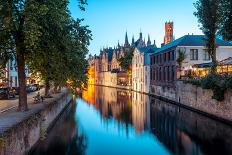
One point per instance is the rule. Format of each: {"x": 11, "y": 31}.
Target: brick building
{"x": 164, "y": 68}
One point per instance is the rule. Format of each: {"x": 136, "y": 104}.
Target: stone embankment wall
{"x": 20, "y": 138}
{"x": 197, "y": 98}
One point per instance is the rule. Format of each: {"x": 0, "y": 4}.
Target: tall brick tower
{"x": 168, "y": 32}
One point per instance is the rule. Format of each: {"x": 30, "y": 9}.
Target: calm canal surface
{"x": 109, "y": 121}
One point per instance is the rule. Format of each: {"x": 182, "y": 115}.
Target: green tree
{"x": 126, "y": 61}
{"x": 38, "y": 32}
{"x": 226, "y": 19}
{"x": 80, "y": 39}
{"x": 49, "y": 60}
{"x": 180, "y": 59}
{"x": 19, "y": 33}
{"x": 209, "y": 15}
{"x": 63, "y": 47}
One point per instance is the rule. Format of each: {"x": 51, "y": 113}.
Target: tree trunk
{"x": 20, "y": 57}
{"x": 59, "y": 89}
{"x": 47, "y": 87}
{"x": 55, "y": 90}
{"x": 22, "y": 81}
{"x": 214, "y": 57}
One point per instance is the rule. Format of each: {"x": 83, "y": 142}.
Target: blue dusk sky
{"x": 110, "y": 19}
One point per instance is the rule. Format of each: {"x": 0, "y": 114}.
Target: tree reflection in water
{"x": 64, "y": 138}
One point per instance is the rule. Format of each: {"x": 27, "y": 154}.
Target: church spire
{"x": 133, "y": 40}
{"x": 118, "y": 44}
{"x": 126, "y": 41}
{"x": 140, "y": 35}
{"x": 149, "y": 40}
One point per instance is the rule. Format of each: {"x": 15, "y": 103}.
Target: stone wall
{"x": 24, "y": 135}
{"x": 164, "y": 91}
{"x": 201, "y": 99}
{"x": 196, "y": 98}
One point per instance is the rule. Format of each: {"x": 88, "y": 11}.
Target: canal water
{"x": 109, "y": 121}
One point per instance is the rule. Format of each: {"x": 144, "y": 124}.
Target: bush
{"x": 229, "y": 82}
{"x": 209, "y": 81}
{"x": 217, "y": 83}
{"x": 218, "y": 93}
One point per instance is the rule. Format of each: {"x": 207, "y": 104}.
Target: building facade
{"x": 9, "y": 75}
{"x": 141, "y": 68}
{"x": 106, "y": 66}
{"x": 12, "y": 74}
{"x": 164, "y": 67}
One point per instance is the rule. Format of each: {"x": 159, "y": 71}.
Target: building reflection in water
{"x": 64, "y": 138}
{"x": 127, "y": 108}
{"x": 181, "y": 131}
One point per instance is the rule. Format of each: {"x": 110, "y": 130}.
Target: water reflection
{"x": 185, "y": 132}
{"x": 181, "y": 131}
{"x": 119, "y": 122}
{"x": 124, "y": 106}
{"x": 65, "y": 138}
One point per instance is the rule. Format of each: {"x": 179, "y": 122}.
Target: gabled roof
{"x": 148, "y": 50}
{"x": 192, "y": 40}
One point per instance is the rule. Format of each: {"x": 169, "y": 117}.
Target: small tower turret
{"x": 149, "y": 40}
{"x": 126, "y": 41}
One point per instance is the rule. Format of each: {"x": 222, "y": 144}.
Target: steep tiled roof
{"x": 192, "y": 40}
{"x": 148, "y": 49}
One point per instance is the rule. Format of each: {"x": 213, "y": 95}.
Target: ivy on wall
{"x": 217, "y": 83}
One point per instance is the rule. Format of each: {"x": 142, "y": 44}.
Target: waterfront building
{"x": 115, "y": 64}
{"x": 164, "y": 68}
{"x": 105, "y": 59}
{"x": 106, "y": 66}
{"x": 141, "y": 67}
{"x": 94, "y": 69}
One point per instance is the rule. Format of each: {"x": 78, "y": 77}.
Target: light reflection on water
{"x": 117, "y": 122}
{"x": 109, "y": 136}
